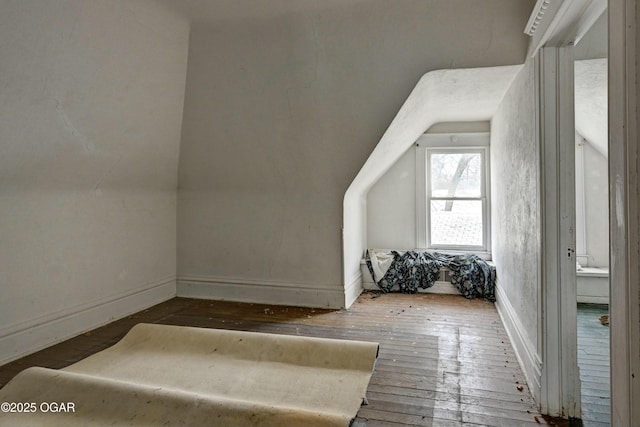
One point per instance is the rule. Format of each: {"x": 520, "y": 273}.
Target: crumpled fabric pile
{"x": 409, "y": 271}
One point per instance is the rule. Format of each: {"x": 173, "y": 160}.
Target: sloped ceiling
{"x": 220, "y": 11}
{"x": 591, "y": 85}
{"x": 440, "y": 96}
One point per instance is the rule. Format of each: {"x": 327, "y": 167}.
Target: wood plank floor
{"x": 444, "y": 360}
{"x": 593, "y": 360}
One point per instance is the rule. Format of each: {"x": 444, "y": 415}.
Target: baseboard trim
{"x": 525, "y": 349}
{"x": 588, "y": 299}
{"x": 262, "y": 291}
{"x": 21, "y": 339}
{"x": 352, "y": 290}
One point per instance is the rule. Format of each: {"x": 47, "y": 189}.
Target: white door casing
{"x": 560, "y": 385}
{"x": 624, "y": 212}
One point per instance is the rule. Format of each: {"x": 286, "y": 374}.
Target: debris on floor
{"x": 604, "y": 319}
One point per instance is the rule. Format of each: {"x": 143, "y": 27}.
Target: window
{"x": 453, "y": 192}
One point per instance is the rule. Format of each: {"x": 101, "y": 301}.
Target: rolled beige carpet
{"x": 180, "y": 376}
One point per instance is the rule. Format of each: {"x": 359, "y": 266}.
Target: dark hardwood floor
{"x": 444, "y": 360}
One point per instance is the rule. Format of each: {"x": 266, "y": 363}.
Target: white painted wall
{"x": 596, "y": 202}
{"x": 591, "y": 124}
{"x": 280, "y": 114}
{"x": 624, "y": 128}
{"x": 391, "y": 206}
{"x": 591, "y": 102}
{"x": 515, "y": 214}
{"x": 90, "y": 113}
{"x": 595, "y": 43}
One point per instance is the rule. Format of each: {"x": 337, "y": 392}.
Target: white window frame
{"x": 581, "y": 213}
{"x": 451, "y": 143}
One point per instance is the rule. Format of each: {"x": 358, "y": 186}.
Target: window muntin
{"x": 461, "y": 225}
{"x": 456, "y": 202}
{"x": 452, "y": 199}
{"x": 455, "y": 174}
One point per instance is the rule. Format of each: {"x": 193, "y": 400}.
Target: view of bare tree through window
{"x": 456, "y": 198}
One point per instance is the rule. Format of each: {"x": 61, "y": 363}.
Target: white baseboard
{"x": 24, "y": 338}
{"x": 593, "y": 300}
{"x": 525, "y": 349}
{"x": 592, "y": 285}
{"x": 352, "y": 290}
{"x": 262, "y": 291}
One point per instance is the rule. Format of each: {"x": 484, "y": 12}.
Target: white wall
{"x": 391, "y": 206}
{"x": 515, "y": 211}
{"x": 280, "y": 114}
{"x": 594, "y": 44}
{"x": 592, "y": 125}
{"x": 90, "y": 114}
{"x": 596, "y": 194}
{"x": 591, "y": 102}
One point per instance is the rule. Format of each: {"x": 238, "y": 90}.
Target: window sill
{"x": 485, "y": 255}
{"x": 482, "y": 254}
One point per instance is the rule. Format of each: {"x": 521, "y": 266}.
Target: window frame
{"x": 428, "y": 144}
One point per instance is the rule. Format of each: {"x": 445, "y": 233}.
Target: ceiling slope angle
{"x": 459, "y": 95}
{"x": 472, "y": 94}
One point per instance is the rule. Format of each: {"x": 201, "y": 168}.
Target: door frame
{"x": 558, "y": 23}
{"x": 624, "y": 212}
{"x": 555, "y": 26}
{"x": 560, "y": 382}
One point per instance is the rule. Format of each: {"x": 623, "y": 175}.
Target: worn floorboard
{"x": 444, "y": 360}
{"x": 593, "y": 360}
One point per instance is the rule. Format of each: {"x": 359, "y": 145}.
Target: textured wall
{"x": 591, "y": 102}
{"x": 90, "y": 112}
{"x": 391, "y": 202}
{"x": 591, "y": 87}
{"x": 514, "y": 198}
{"x": 391, "y": 206}
{"x": 282, "y": 111}
{"x": 596, "y": 194}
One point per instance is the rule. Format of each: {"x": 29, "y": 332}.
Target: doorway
{"x": 592, "y": 222}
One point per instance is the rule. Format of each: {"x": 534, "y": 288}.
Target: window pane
{"x": 456, "y": 175}
{"x": 456, "y": 222}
